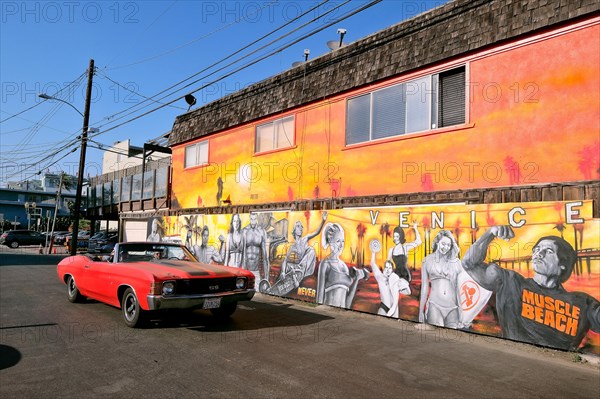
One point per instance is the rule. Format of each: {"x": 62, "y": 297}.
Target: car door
{"x": 96, "y": 277}
{"x": 37, "y": 238}
{"x": 27, "y": 238}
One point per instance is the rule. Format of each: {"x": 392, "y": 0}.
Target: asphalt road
{"x": 271, "y": 348}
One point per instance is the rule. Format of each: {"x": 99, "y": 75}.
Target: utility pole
{"x": 86, "y": 119}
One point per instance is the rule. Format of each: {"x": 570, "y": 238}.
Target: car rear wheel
{"x": 224, "y": 311}
{"x": 14, "y": 244}
{"x": 133, "y": 314}
{"x": 73, "y": 294}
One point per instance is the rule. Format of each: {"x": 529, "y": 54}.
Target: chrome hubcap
{"x": 130, "y": 304}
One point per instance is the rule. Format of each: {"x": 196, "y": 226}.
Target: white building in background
{"x": 134, "y": 183}
{"x": 123, "y": 155}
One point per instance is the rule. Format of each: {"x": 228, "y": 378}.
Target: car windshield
{"x": 140, "y": 252}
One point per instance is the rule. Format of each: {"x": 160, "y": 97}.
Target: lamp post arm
{"x": 47, "y": 97}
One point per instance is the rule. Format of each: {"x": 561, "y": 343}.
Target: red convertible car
{"x": 142, "y": 277}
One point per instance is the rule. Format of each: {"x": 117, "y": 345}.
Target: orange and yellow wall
{"x": 533, "y": 116}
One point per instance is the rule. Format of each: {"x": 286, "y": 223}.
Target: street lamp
{"x": 86, "y": 119}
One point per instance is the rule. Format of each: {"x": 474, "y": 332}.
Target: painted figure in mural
{"x": 299, "y": 261}
{"x": 154, "y": 235}
{"x": 207, "y": 253}
{"x": 219, "y": 190}
{"x": 390, "y": 285}
{"x": 399, "y": 252}
{"x": 336, "y": 282}
{"x": 255, "y": 253}
{"x": 536, "y": 310}
{"x": 234, "y": 245}
{"x": 188, "y": 240}
{"x": 301, "y": 257}
{"x": 440, "y": 295}
{"x": 190, "y": 226}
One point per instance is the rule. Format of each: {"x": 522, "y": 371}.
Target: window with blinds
{"x": 275, "y": 135}
{"x": 421, "y": 104}
{"x": 196, "y": 154}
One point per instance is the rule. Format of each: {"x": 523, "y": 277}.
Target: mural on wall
{"x": 524, "y": 271}
{"x": 155, "y": 230}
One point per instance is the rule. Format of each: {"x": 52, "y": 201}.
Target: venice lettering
{"x": 515, "y": 217}
{"x": 560, "y": 315}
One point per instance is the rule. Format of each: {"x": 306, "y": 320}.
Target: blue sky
{"x": 140, "y": 49}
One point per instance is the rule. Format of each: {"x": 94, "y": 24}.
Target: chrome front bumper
{"x": 158, "y": 302}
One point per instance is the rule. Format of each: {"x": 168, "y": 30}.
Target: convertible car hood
{"x": 165, "y": 269}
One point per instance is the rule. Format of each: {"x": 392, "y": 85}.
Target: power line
{"x": 224, "y": 59}
{"x": 48, "y": 157}
{"x": 214, "y": 64}
{"x": 105, "y": 76}
{"x": 281, "y": 48}
{"x": 34, "y": 129}
{"x": 246, "y": 65}
{"x": 55, "y": 94}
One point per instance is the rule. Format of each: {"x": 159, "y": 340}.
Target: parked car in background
{"x": 144, "y": 276}
{"x": 82, "y": 240}
{"x": 54, "y": 234}
{"x": 101, "y": 241}
{"x": 16, "y": 238}
{"x": 61, "y": 237}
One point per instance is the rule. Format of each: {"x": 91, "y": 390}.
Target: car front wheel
{"x": 224, "y": 311}
{"x": 14, "y": 244}
{"x": 73, "y": 294}
{"x": 133, "y": 314}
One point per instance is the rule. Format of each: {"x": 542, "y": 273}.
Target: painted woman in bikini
{"x": 440, "y": 296}
{"x": 234, "y": 245}
{"x": 336, "y": 283}
{"x": 399, "y": 252}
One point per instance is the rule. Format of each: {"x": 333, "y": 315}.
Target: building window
{"x": 421, "y": 104}
{"x": 116, "y": 191}
{"x": 161, "y": 182}
{"x": 196, "y": 154}
{"x": 126, "y": 189}
{"x": 275, "y": 135}
{"x": 136, "y": 187}
{"x": 451, "y": 96}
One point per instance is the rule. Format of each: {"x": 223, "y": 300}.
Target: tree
{"x": 385, "y": 232}
{"x": 360, "y": 230}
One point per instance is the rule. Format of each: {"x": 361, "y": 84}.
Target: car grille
{"x": 205, "y": 286}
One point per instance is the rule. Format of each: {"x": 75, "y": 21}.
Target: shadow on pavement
{"x": 252, "y": 315}
{"x": 9, "y": 356}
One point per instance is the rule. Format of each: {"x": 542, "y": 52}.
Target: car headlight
{"x": 240, "y": 283}
{"x": 168, "y": 288}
